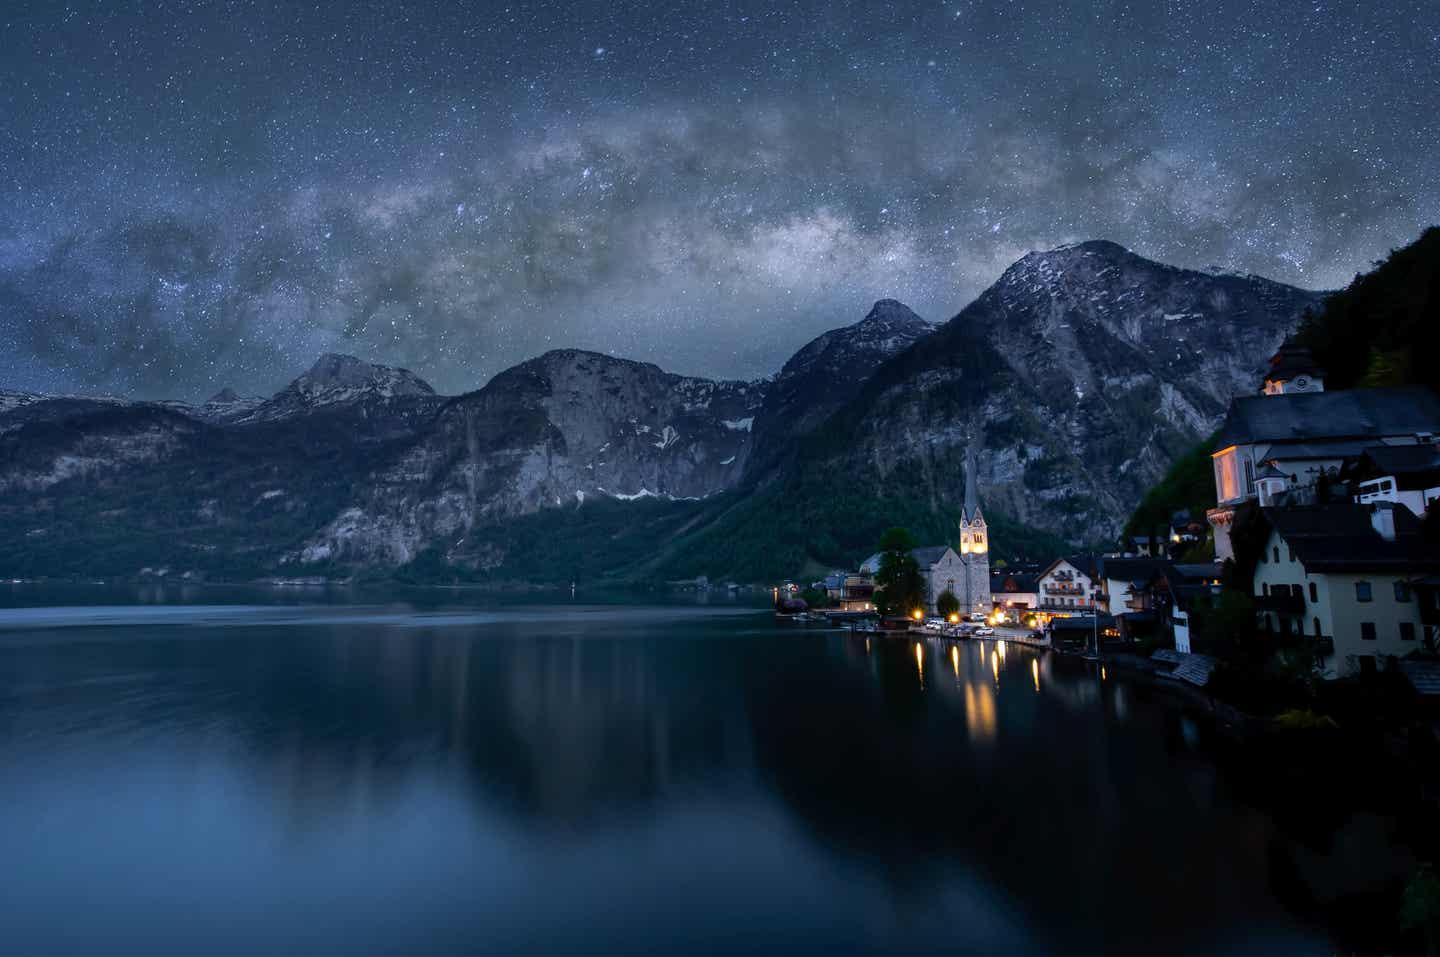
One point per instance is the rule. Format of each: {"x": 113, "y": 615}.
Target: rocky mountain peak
{"x": 225, "y": 395}
{"x": 338, "y": 372}
{"x": 892, "y": 311}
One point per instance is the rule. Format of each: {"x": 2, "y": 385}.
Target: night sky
{"x": 202, "y": 195}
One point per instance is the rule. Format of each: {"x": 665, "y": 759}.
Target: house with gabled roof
{"x": 1337, "y": 580}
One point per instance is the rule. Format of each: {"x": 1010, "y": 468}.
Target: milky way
{"x": 204, "y": 195}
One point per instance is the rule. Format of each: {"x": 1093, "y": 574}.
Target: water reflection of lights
{"x": 1000, "y": 647}
{"x": 1102, "y": 672}
{"x": 995, "y": 665}
{"x": 980, "y": 712}
{"x": 1035, "y": 672}
{"x": 920, "y": 662}
{"x": 955, "y": 660}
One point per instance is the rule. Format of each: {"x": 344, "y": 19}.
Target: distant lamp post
{"x": 954, "y": 618}
{"x": 917, "y": 614}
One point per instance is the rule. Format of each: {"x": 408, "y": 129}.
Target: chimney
{"x": 1382, "y": 519}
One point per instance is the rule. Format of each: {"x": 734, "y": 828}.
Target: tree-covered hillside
{"x": 1384, "y": 328}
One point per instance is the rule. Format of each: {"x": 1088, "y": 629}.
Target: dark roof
{"x": 1340, "y": 537}
{"x": 1020, "y": 582}
{"x": 1130, "y": 569}
{"x": 925, "y": 557}
{"x": 1203, "y": 570}
{"x": 1348, "y": 414}
{"x": 1085, "y": 564}
{"x": 1402, "y": 461}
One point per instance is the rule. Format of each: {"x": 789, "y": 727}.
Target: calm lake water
{"x": 266, "y": 777}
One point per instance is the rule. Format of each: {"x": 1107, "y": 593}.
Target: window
{"x": 1263, "y": 556}
{"x": 1367, "y": 631}
{"x": 1277, "y": 554}
{"x": 1291, "y": 552}
{"x": 1314, "y": 596}
{"x": 1402, "y": 591}
{"x": 1362, "y": 591}
{"x": 1407, "y": 631}
{"x": 1264, "y": 588}
{"x": 1317, "y": 627}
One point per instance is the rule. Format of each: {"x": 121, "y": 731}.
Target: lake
{"x": 253, "y": 775}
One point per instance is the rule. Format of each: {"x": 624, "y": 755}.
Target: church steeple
{"x": 973, "y": 533}
{"x": 971, "y": 511}
{"x": 974, "y": 545}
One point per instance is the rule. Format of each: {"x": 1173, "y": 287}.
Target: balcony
{"x": 1283, "y": 604}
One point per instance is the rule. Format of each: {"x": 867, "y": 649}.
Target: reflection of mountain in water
{"x": 1013, "y": 791}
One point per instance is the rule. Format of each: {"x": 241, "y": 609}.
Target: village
{"x": 1319, "y": 560}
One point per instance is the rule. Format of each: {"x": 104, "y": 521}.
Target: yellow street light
{"x": 954, "y": 618}
{"x": 917, "y": 614}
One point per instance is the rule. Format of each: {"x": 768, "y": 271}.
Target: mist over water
{"x": 256, "y": 777}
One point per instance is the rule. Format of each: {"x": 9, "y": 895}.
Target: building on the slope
{"x": 1408, "y": 475}
{"x": 1335, "y": 580}
{"x": 1293, "y": 370}
{"x": 1284, "y": 444}
{"x": 1066, "y": 587}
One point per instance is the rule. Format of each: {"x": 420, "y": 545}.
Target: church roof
{"x": 925, "y": 557}
{"x": 1348, "y": 414}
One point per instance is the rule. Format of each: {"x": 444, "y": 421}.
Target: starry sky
{"x": 197, "y": 195}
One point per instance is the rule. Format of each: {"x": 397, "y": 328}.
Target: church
{"x": 965, "y": 574}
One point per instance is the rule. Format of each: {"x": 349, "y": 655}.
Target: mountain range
{"x": 1078, "y": 378}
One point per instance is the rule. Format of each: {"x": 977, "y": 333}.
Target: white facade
{"x": 1180, "y": 625}
{"x": 1335, "y": 605}
{"x": 1065, "y": 589}
{"x": 1387, "y": 489}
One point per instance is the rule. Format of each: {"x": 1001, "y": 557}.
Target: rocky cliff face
{"x": 550, "y": 432}
{"x": 1080, "y": 376}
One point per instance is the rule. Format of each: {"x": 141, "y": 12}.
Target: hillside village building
{"x": 1282, "y": 443}
{"x": 1339, "y": 581}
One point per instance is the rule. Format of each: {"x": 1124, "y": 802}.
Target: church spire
{"x": 972, "y": 500}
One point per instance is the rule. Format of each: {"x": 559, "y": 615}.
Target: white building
{"x": 1335, "y": 579}
{"x": 1284, "y": 442}
{"x": 1066, "y": 586}
{"x": 1407, "y": 475}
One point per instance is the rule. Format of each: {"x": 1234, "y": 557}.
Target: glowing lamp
{"x": 917, "y": 614}
{"x": 954, "y": 618}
